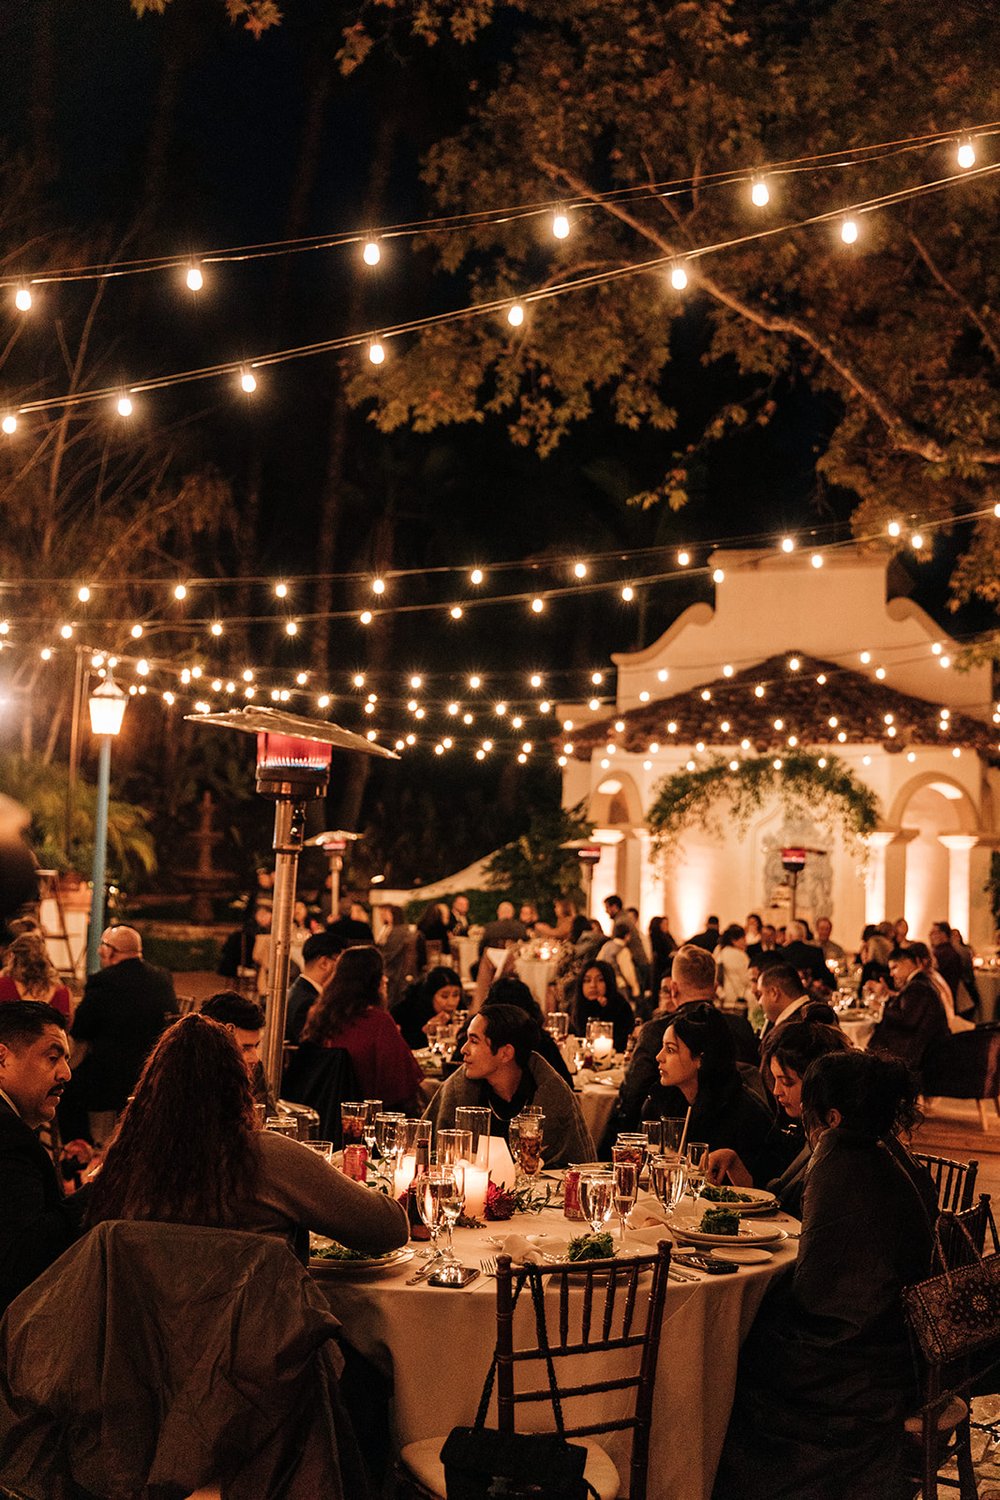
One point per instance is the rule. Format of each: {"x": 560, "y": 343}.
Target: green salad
{"x": 333, "y": 1251}
{"x": 725, "y": 1195}
{"x": 720, "y": 1221}
{"x": 591, "y": 1247}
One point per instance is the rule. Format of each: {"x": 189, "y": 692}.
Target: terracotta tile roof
{"x": 802, "y": 705}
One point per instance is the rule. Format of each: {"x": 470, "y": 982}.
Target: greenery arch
{"x": 819, "y": 784}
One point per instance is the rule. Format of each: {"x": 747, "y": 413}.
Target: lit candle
{"x": 403, "y": 1175}
{"x": 602, "y": 1047}
{"x": 476, "y": 1179}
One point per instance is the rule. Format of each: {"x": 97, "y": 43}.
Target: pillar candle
{"x": 403, "y": 1175}
{"x": 476, "y": 1179}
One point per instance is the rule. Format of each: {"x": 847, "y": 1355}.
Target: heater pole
{"x": 289, "y": 830}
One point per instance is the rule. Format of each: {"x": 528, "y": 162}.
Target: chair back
{"x": 322, "y": 1077}
{"x": 953, "y": 1249}
{"x": 605, "y": 1314}
{"x": 966, "y": 1065}
{"x": 954, "y": 1181}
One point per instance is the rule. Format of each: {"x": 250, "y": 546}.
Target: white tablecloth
{"x": 858, "y": 1033}
{"x": 597, "y": 1100}
{"x": 464, "y": 952}
{"x": 437, "y": 1345}
{"x": 537, "y": 974}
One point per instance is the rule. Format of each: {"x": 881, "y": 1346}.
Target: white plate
{"x": 372, "y": 1265}
{"x": 750, "y": 1234}
{"x": 761, "y": 1202}
{"x": 744, "y": 1255}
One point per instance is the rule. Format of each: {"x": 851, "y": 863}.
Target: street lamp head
{"x": 107, "y": 707}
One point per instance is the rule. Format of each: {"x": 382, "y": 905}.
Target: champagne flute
{"x": 626, "y": 1175}
{"x": 597, "y": 1193}
{"x": 452, "y": 1199}
{"x": 427, "y": 1190}
{"x": 386, "y": 1125}
{"x": 668, "y": 1174}
{"x": 697, "y": 1157}
{"x": 373, "y": 1108}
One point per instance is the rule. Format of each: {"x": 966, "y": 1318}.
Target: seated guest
{"x": 188, "y": 1151}
{"x": 617, "y": 954}
{"x": 501, "y": 1069}
{"x": 597, "y": 998}
{"x": 913, "y": 1020}
{"x": 425, "y": 1005}
{"x": 565, "y": 919}
{"x": 37, "y": 1221}
{"x": 506, "y": 929}
{"x": 765, "y": 942}
{"x": 874, "y": 953}
{"x": 826, "y": 1377}
{"x": 806, "y": 958}
{"x": 512, "y": 991}
{"x": 351, "y": 927}
{"x": 663, "y": 946}
{"x": 926, "y": 962}
{"x": 783, "y": 996}
{"x": 245, "y": 1019}
{"x": 709, "y": 939}
{"x": 529, "y": 916}
{"x": 697, "y": 1066}
{"x": 832, "y": 952}
{"x": 319, "y": 959}
{"x": 733, "y": 965}
{"x": 350, "y": 1013}
{"x": 29, "y": 974}
{"x": 399, "y": 946}
{"x": 691, "y": 982}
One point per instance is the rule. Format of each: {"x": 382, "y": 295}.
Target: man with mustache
{"x": 38, "y": 1221}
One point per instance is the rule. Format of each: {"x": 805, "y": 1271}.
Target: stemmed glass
{"x": 597, "y": 1196}
{"x": 451, "y": 1200}
{"x": 386, "y": 1129}
{"x": 697, "y": 1156}
{"x": 427, "y": 1190}
{"x": 668, "y": 1174}
{"x": 373, "y": 1108}
{"x": 626, "y": 1175}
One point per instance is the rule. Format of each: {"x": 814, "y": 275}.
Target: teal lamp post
{"x": 107, "y": 709}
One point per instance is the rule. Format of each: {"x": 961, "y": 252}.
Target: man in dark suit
{"x": 709, "y": 939}
{"x": 37, "y": 1222}
{"x": 319, "y": 959}
{"x": 913, "y": 1023}
{"x": 506, "y": 929}
{"x": 806, "y": 958}
{"x": 125, "y": 1006}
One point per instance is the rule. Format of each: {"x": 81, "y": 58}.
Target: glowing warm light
{"x": 760, "y": 195}
{"x": 580, "y": 570}
{"x": 706, "y": 696}
{"x": 560, "y": 225}
{"x": 371, "y": 254}
{"x": 787, "y": 544}
{"x": 366, "y": 617}
{"x": 758, "y": 691}
{"x": 594, "y": 705}
{"x": 46, "y": 653}
{"x": 916, "y": 541}
{"x": 194, "y": 279}
{"x": 894, "y": 528}
{"x": 301, "y": 678}
{"x": 142, "y": 667}
{"x": 794, "y": 664}
{"x": 83, "y": 594}
{"x": 487, "y": 745}
{"x": 412, "y": 705}
{"x": 416, "y": 681}
{"x": 880, "y": 673}
{"x": 545, "y": 706}
{"x": 537, "y": 605}
{"x": 136, "y": 632}
{"x": 196, "y": 673}
{"x": 662, "y": 675}
{"x": 597, "y": 678}
{"x": 216, "y": 627}
{"x": 9, "y": 424}
{"x": 865, "y": 658}
{"x": 966, "y": 154}
{"x": 169, "y": 698}
{"x": 536, "y": 680}
{"x": 291, "y": 627}
{"x": 476, "y": 576}
{"x": 467, "y": 719}
{"x": 376, "y": 353}
{"x": 718, "y": 576}
{"x": 727, "y": 670}
{"x": 817, "y": 559}
{"x": 358, "y": 679}
{"x": 124, "y": 407}
{"x": 456, "y": 611}
{"x": 22, "y": 299}
{"x": 515, "y": 315}
{"x": 849, "y": 231}
{"x": 180, "y": 592}
{"x": 248, "y": 381}
{"x": 644, "y": 696}
{"x": 821, "y": 679}
{"x": 323, "y": 701}
{"x": 66, "y": 631}
{"x": 281, "y": 590}
{"x": 678, "y": 277}
{"x": 936, "y": 649}
{"x": 628, "y": 593}
{"x": 378, "y": 585}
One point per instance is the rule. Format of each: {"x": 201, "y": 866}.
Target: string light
{"x": 628, "y": 593}
{"x": 817, "y": 559}
{"x": 916, "y": 541}
{"x": 560, "y": 224}
{"x": 727, "y": 670}
{"x": 366, "y": 617}
{"x": 376, "y": 352}
{"x": 180, "y": 592}
{"x": 281, "y": 590}
{"x": 515, "y": 315}
{"x": 966, "y": 154}
{"x": 894, "y": 528}
{"x": 718, "y": 576}
{"x": 66, "y": 631}
{"x": 9, "y": 423}
{"x": 475, "y": 682}
{"x": 787, "y": 544}
{"x": 124, "y": 406}
{"x": 22, "y": 299}
{"x": 579, "y": 570}
{"x": 216, "y": 627}
{"x": 849, "y": 231}
{"x": 536, "y": 679}
{"x": 194, "y": 278}
{"x": 291, "y": 627}
{"x": 371, "y": 254}
{"x": 476, "y": 576}
{"x": 136, "y": 632}
{"x": 83, "y": 594}
{"x": 760, "y": 195}
{"x": 537, "y": 605}
{"x": 456, "y": 611}
{"x": 248, "y": 380}
{"x": 678, "y": 276}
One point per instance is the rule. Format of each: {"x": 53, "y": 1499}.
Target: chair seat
{"x": 422, "y": 1461}
{"x": 954, "y": 1411}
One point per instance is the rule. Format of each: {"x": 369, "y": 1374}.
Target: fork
{"x": 488, "y": 1266}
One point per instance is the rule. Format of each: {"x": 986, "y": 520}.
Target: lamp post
{"x": 588, "y": 852}
{"x": 107, "y": 709}
{"x": 293, "y": 766}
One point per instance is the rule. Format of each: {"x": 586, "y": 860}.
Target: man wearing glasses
{"x": 124, "y": 1008}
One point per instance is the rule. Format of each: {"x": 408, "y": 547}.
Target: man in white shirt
{"x": 319, "y": 959}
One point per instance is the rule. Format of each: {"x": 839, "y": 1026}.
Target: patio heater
{"x": 334, "y": 844}
{"x": 293, "y": 767}
{"x": 589, "y": 854}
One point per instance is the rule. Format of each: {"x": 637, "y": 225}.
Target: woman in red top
{"x": 29, "y": 974}
{"x": 350, "y": 1013}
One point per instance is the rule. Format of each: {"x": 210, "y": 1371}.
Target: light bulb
{"x": 46, "y": 653}
{"x": 849, "y": 231}
{"x": 683, "y": 558}
{"x": 9, "y": 424}
{"x": 817, "y": 559}
{"x": 475, "y": 681}
{"x": 366, "y": 617}
{"x": 545, "y": 707}
{"x": 281, "y": 590}
{"x": 216, "y": 627}
{"x": 536, "y": 680}
{"x": 996, "y": 508}
{"x": 456, "y": 611}
{"x": 560, "y": 225}
{"x": 301, "y": 678}
{"x": 453, "y": 709}
{"x": 865, "y": 658}
{"x": 537, "y": 605}
{"x": 718, "y": 576}
{"x": 416, "y": 681}
{"x": 323, "y": 701}
{"x": 678, "y": 277}
{"x": 916, "y": 541}
{"x": 966, "y": 155}
{"x": 760, "y": 194}
{"x": 476, "y": 576}
{"x": 378, "y": 586}
{"x": 136, "y": 632}
{"x": 180, "y": 592}
{"x": 83, "y": 594}
{"x": 124, "y": 406}
{"x": 22, "y": 299}
{"x": 597, "y": 678}
{"x": 169, "y": 698}
{"x": 794, "y": 664}
{"x": 727, "y": 670}
{"x": 787, "y": 544}
{"x": 376, "y": 353}
{"x": 247, "y": 674}
{"x": 195, "y": 280}
{"x": 66, "y": 631}
{"x": 628, "y": 593}
{"x": 371, "y": 254}
{"x": 894, "y": 528}
{"x": 291, "y": 628}
{"x": 467, "y": 719}
{"x": 500, "y": 709}
{"x": 248, "y": 380}
{"x": 142, "y": 667}
{"x": 579, "y": 570}
{"x": 515, "y": 315}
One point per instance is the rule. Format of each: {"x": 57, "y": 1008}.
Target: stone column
{"x": 959, "y": 847}
{"x": 885, "y": 878}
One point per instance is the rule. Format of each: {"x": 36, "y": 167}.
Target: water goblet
{"x": 668, "y": 1175}
{"x": 352, "y": 1123}
{"x": 697, "y": 1155}
{"x": 597, "y": 1197}
{"x": 427, "y": 1192}
{"x": 452, "y": 1200}
{"x": 626, "y": 1177}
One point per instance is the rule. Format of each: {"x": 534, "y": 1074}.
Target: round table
{"x": 858, "y": 1031}
{"x": 436, "y": 1344}
{"x": 537, "y": 974}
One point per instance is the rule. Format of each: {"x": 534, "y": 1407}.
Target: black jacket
{"x": 806, "y": 958}
{"x": 913, "y": 1024}
{"x": 123, "y": 1011}
{"x": 37, "y": 1221}
{"x": 300, "y": 997}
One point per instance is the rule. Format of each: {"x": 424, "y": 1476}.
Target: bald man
{"x": 125, "y": 1006}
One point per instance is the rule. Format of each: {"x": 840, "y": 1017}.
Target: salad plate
{"x": 688, "y": 1230}
{"x": 746, "y": 1201}
{"x": 331, "y": 1259}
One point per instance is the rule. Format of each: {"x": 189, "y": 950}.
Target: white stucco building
{"x": 825, "y": 659}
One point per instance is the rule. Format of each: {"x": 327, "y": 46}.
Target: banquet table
{"x": 436, "y": 1344}
{"x": 858, "y": 1031}
{"x": 596, "y": 1097}
{"x": 538, "y": 974}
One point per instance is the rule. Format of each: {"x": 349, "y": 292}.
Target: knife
{"x": 422, "y": 1274}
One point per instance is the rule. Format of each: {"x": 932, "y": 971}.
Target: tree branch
{"x": 970, "y": 312}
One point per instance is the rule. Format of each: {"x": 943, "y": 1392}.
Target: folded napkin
{"x": 647, "y": 1238}
{"x": 531, "y": 1250}
{"x": 585, "y": 1076}
{"x": 647, "y": 1211}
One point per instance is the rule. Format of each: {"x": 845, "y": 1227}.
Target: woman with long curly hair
{"x": 598, "y": 998}
{"x": 350, "y": 1013}
{"x": 29, "y": 974}
{"x": 188, "y": 1151}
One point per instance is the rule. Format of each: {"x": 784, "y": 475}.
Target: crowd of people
{"x": 131, "y": 1113}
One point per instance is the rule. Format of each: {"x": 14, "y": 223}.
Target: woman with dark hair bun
{"x": 826, "y": 1376}
{"x": 697, "y": 1066}
{"x": 596, "y": 997}
{"x": 350, "y": 1013}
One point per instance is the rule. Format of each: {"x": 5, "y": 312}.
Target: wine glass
{"x": 668, "y": 1175}
{"x": 597, "y": 1195}
{"x": 373, "y": 1108}
{"x": 626, "y": 1175}
{"x": 386, "y": 1126}
{"x": 697, "y": 1155}
{"x": 427, "y": 1191}
{"x": 451, "y": 1197}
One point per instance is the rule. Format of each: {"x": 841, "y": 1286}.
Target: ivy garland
{"x": 823, "y": 785}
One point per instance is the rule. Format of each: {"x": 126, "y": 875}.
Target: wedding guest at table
{"x": 619, "y": 913}
{"x": 435, "y": 998}
{"x": 528, "y": 915}
{"x": 914, "y": 1024}
{"x": 505, "y": 929}
{"x": 832, "y": 952}
{"x": 697, "y": 1068}
{"x": 509, "y": 990}
{"x": 767, "y": 942}
{"x": 802, "y": 955}
{"x": 753, "y": 928}
{"x": 926, "y": 961}
{"x": 502, "y": 1071}
{"x": 29, "y": 974}
{"x": 662, "y": 946}
{"x": 874, "y": 954}
{"x": 245, "y": 1019}
{"x": 458, "y": 920}
{"x": 350, "y": 1013}
{"x": 946, "y": 958}
{"x": 38, "y": 1221}
{"x": 732, "y": 965}
{"x": 320, "y": 953}
{"x": 826, "y": 1376}
{"x": 900, "y": 932}
{"x": 782, "y": 996}
{"x": 188, "y": 1151}
{"x": 560, "y": 931}
{"x": 617, "y": 954}
{"x": 598, "y": 998}
{"x": 400, "y": 948}
{"x": 968, "y": 999}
